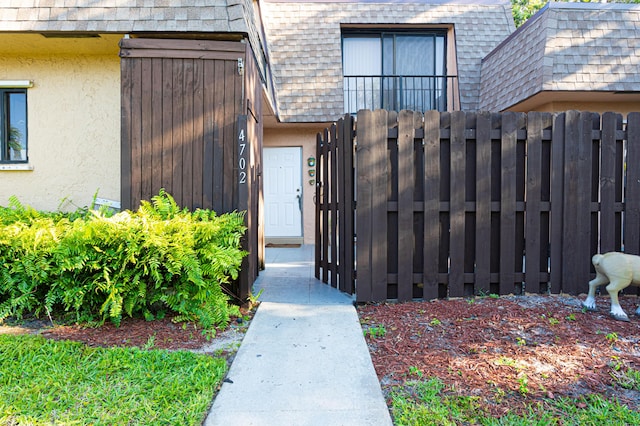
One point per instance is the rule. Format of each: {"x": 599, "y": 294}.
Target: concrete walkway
{"x": 304, "y": 360}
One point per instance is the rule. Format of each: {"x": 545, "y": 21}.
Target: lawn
{"x": 43, "y": 381}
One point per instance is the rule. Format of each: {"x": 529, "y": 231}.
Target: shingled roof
{"x": 123, "y": 16}
{"x": 565, "y": 47}
{"x": 304, "y": 40}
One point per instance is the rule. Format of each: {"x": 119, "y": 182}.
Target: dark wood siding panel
{"x": 173, "y": 168}
{"x": 230, "y": 111}
{"x": 166, "y": 148}
{"x": 140, "y": 152}
{"x": 219, "y": 136}
{"x": 208, "y": 81}
{"x": 189, "y": 141}
{"x": 180, "y": 103}
{"x": 199, "y": 138}
{"x": 126, "y": 132}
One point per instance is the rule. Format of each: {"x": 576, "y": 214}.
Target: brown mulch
{"x": 164, "y": 333}
{"x": 511, "y": 349}
{"x": 137, "y": 332}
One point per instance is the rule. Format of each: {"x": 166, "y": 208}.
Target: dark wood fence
{"x": 460, "y": 204}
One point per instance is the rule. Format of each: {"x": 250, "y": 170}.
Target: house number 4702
{"x": 242, "y": 161}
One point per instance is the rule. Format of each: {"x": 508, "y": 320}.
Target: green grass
{"x": 45, "y": 382}
{"x": 424, "y": 403}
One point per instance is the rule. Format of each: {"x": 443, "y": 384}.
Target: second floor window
{"x": 13, "y": 125}
{"x": 394, "y": 70}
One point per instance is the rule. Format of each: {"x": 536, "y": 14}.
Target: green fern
{"x": 101, "y": 266}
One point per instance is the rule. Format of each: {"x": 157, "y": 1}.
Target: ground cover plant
{"x": 506, "y": 360}
{"x": 96, "y": 266}
{"x": 43, "y": 381}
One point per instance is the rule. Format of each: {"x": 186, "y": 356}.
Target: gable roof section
{"x": 123, "y": 16}
{"x": 565, "y": 47}
{"x": 304, "y": 41}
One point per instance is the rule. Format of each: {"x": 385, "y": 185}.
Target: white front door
{"x": 283, "y": 192}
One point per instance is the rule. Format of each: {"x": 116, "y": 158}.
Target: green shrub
{"x": 98, "y": 266}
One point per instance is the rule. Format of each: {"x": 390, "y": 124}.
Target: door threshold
{"x": 283, "y": 241}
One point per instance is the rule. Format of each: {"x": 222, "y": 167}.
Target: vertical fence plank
{"x": 364, "y": 199}
{"x": 340, "y": 204}
{"x": 508, "y": 202}
{"x": 570, "y": 200}
{"x": 379, "y": 170}
{"x": 457, "y": 205}
{"x": 533, "y": 193}
{"x": 406, "y": 181}
{"x": 632, "y": 194}
{"x": 324, "y": 203}
{"x": 607, "y": 182}
{"x": 371, "y": 284}
{"x": 318, "y": 197}
{"x": 557, "y": 203}
{"x": 347, "y": 207}
{"x": 333, "y": 204}
{"x": 430, "y": 280}
{"x": 483, "y": 204}
{"x": 577, "y": 201}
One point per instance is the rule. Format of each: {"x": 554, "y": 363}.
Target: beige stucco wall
{"x": 304, "y": 137}
{"x": 73, "y": 128}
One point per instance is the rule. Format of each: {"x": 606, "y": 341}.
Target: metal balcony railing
{"x": 395, "y": 92}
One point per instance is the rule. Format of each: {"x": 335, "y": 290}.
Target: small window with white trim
{"x": 13, "y": 125}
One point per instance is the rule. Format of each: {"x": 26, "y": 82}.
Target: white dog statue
{"x": 619, "y": 270}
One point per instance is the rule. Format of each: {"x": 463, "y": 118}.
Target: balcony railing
{"x": 418, "y": 93}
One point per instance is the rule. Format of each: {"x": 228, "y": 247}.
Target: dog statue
{"x": 619, "y": 270}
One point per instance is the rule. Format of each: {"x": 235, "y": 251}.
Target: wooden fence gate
{"x": 456, "y": 204}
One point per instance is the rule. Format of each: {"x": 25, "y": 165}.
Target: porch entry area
{"x": 455, "y": 204}
{"x": 283, "y": 195}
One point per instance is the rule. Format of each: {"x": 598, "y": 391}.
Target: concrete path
{"x": 304, "y": 360}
